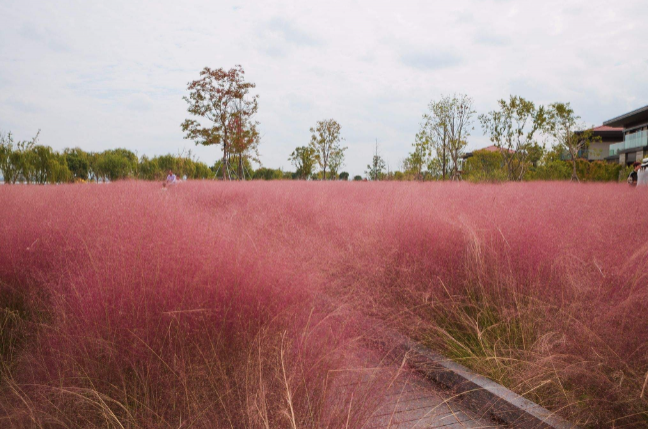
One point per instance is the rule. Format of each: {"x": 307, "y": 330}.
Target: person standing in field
{"x": 642, "y": 174}
{"x": 633, "y": 178}
{"x": 171, "y": 178}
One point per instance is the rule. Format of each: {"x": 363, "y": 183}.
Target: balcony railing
{"x": 638, "y": 139}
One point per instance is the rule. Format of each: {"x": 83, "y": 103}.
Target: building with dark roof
{"x": 634, "y": 146}
{"x": 600, "y": 150}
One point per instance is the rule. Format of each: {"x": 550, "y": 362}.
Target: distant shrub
{"x": 550, "y": 170}
{"x": 485, "y": 166}
{"x": 268, "y": 174}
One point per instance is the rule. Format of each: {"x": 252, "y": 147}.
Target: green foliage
{"x": 326, "y": 145}
{"x": 624, "y": 172}
{"x": 552, "y": 169}
{"x": 268, "y": 174}
{"x": 78, "y": 163}
{"x": 303, "y": 158}
{"x": 116, "y": 164}
{"x": 222, "y": 98}
{"x": 219, "y": 172}
{"x": 416, "y": 160}
{"x": 149, "y": 169}
{"x": 7, "y": 168}
{"x": 535, "y": 152}
{"x": 375, "y": 170}
{"x": 595, "y": 171}
{"x": 563, "y": 126}
{"x": 28, "y": 162}
{"x": 447, "y": 127}
{"x": 357, "y": 178}
{"x": 344, "y": 176}
{"x": 485, "y": 166}
{"x": 512, "y": 128}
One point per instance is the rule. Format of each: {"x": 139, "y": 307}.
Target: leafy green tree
{"x": 357, "y": 178}
{"x": 375, "y": 170}
{"x": 93, "y": 166}
{"x": 202, "y": 171}
{"x": 78, "y": 163}
{"x": 22, "y": 159}
{"x": 563, "y": 126}
{"x": 10, "y": 171}
{"x": 303, "y": 158}
{"x": 344, "y": 175}
{"x": 148, "y": 169}
{"x": 58, "y": 171}
{"x": 535, "y": 152}
{"x": 416, "y": 160}
{"x": 221, "y": 98}
{"x": 335, "y": 163}
{"x": 116, "y": 164}
{"x": 29, "y": 162}
{"x": 512, "y": 128}
{"x": 326, "y": 144}
{"x": 42, "y": 161}
{"x": 166, "y": 163}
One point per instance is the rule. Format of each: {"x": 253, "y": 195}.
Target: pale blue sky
{"x": 111, "y": 74}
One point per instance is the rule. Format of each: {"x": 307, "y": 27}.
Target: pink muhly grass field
{"x": 128, "y": 305}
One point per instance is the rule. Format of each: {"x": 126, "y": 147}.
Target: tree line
{"x": 517, "y": 128}
{"x": 30, "y": 162}
{"x": 223, "y": 113}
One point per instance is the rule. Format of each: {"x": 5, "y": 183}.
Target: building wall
{"x": 598, "y": 151}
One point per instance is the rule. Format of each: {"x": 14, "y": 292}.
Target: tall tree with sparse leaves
{"x": 220, "y": 98}
{"x": 447, "y": 125}
{"x": 375, "y": 170}
{"x": 512, "y": 129}
{"x": 245, "y": 141}
{"x": 568, "y": 132}
{"x": 326, "y": 143}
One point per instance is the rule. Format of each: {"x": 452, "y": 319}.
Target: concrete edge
{"x": 481, "y": 394}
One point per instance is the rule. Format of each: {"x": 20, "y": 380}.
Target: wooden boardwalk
{"x": 413, "y": 402}
{"x": 400, "y": 398}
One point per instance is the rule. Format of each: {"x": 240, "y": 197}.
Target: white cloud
{"x": 112, "y": 74}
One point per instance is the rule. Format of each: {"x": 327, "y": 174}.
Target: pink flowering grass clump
{"x": 128, "y": 305}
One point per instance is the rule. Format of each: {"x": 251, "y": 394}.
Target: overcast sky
{"x": 101, "y": 75}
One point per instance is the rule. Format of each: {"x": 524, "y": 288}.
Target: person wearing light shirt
{"x": 171, "y": 178}
{"x": 642, "y": 174}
